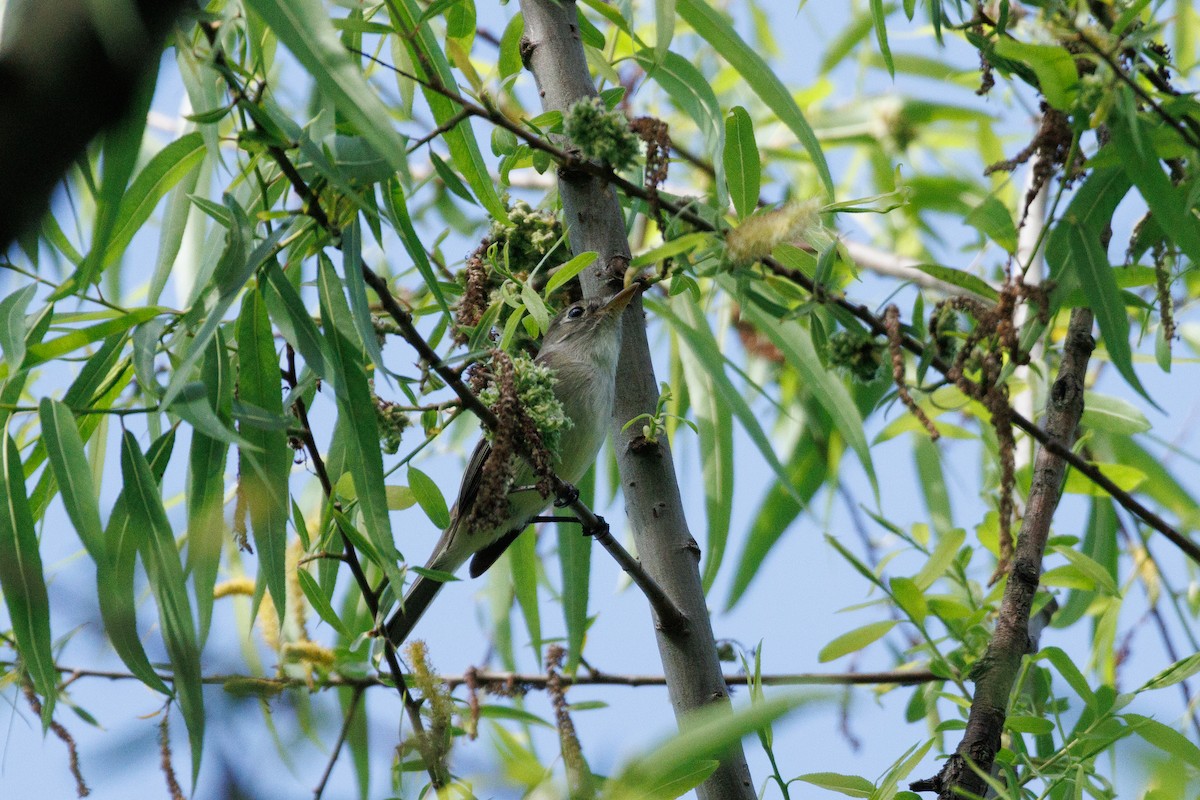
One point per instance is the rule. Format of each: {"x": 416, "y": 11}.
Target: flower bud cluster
{"x": 602, "y": 134}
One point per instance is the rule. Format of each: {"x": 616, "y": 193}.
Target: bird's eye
{"x": 575, "y": 313}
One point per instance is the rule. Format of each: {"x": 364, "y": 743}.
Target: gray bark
{"x": 552, "y": 50}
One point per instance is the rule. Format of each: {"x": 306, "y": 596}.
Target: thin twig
{"x": 533, "y": 680}
{"x": 341, "y": 740}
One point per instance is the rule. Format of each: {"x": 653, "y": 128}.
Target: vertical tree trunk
{"x": 553, "y": 51}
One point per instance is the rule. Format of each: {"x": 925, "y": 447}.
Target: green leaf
{"x": 1112, "y": 414}
{"x": 429, "y": 497}
{"x": 64, "y": 450}
{"x": 1099, "y": 575}
{"x": 306, "y": 30}
{"x": 879, "y": 20}
{"x": 569, "y": 270}
{"x": 855, "y": 640}
{"x": 940, "y": 559}
{"x": 993, "y": 219}
{"x": 1076, "y": 258}
{"x": 1131, "y": 137}
{"x": 399, "y": 498}
{"x": 664, "y": 28}
{"x": 690, "y": 91}
{"x": 1126, "y": 478}
{"x": 320, "y": 603}
{"x": 364, "y": 459}
{"x": 910, "y": 598}
{"x": 166, "y": 169}
{"x": 523, "y": 558}
{"x": 22, "y": 581}
{"x": 266, "y": 464}
{"x": 295, "y": 323}
{"x": 807, "y": 469}
{"x": 743, "y": 172}
{"x": 1055, "y": 68}
{"x": 114, "y": 578}
{"x": 81, "y": 337}
{"x": 1070, "y": 673}
{"x": 460, "y": 139}
{"x": 575, "y": 562}
{"x": 963, "y": 280}
{"x": 1165, "y": 738}
{"x": 206, "y": 483}
{"x": 706, "y": 735}
{"x": 694, "y": 331}
{"x": 1176, "y": 673}
{"x": 717, "y": 31}
{"x": 849, "y": 785}
{"x": 397, "y": 207}
{"x": 1028, "y": 724}
{"x": 830, "y": 392}
{"x": 12, "y": 325}
{"x": 716, "y": 460}
{"x": 165, "y": 574}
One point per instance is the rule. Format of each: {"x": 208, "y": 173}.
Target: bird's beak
{"x": 616, "y": 304}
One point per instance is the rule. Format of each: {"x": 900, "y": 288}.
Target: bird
{"x": 581, "y": 345}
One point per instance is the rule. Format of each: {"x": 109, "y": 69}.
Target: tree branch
{"x": 572, "y": 165}
{"x": 997, "y": 670}
{"x": 552, "y": 50}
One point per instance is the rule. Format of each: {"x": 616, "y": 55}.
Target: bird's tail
{"x": 418, "y": 598}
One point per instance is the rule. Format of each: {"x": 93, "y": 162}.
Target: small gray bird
{"x": 581, "y": 345}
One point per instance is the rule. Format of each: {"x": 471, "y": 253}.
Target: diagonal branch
{"x": 997, "y": 670}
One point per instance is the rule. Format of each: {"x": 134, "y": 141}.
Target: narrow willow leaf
{"x": 932, "y": 481}
{"x": 397, "y": 207}
{"x": 298, "y": 327}
{"x": 64, "y": 449}
{"x": 122, "y": 146}
{"x": 460, "y": 139}
{"x": 830, "y": 392}
{"x": 1076, "y": 259}
{"x": 124, "y": 540}
{"x": 963, "y": 280}
{"x": 1113, "y": 414}
{"x": 717, "y": 31}
{"x": 523, "y": 560}
{"x": 1057, "y": 75}
{"x": 700, "y": 340}
{"x": 940, "y": 559}
{"x": 664, "y": 28}
{"x": 22, "y": 581}
{"x": 306, "y": 30}
{"x": 165, "y": 573}
{"x": 206, "y": 483}
{"x": 849, "y": 785}
{"x": 1100, "y": 544}
{"x": 743, "y": 172}
{"x": 429, "y": 497}
{"x": 364, "y": 459}
{"x": 1176, "y": 673}
{"x": 855, "y": 640}
{"x": 81, "y": 337}
{"x": 716, "y": 455}
{"x": 569, "y": 270}
{"x": 265, "y": 468}
{"x": 1165, "y": 738}
{"x": 356, "y": 287}
{"x": 575, "y": 561}
{"x": 690, "y": 91}
{"x": 161, "y": 174}
{"x": 705, "y": 735}
{"x": 320, "y": 603}
{"x": 12, "y": 325}
{"x": 879, "y": 20}
{"x": 807, "y": 469}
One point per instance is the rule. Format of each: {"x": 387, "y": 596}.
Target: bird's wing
{"x": 469, "y": 487}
